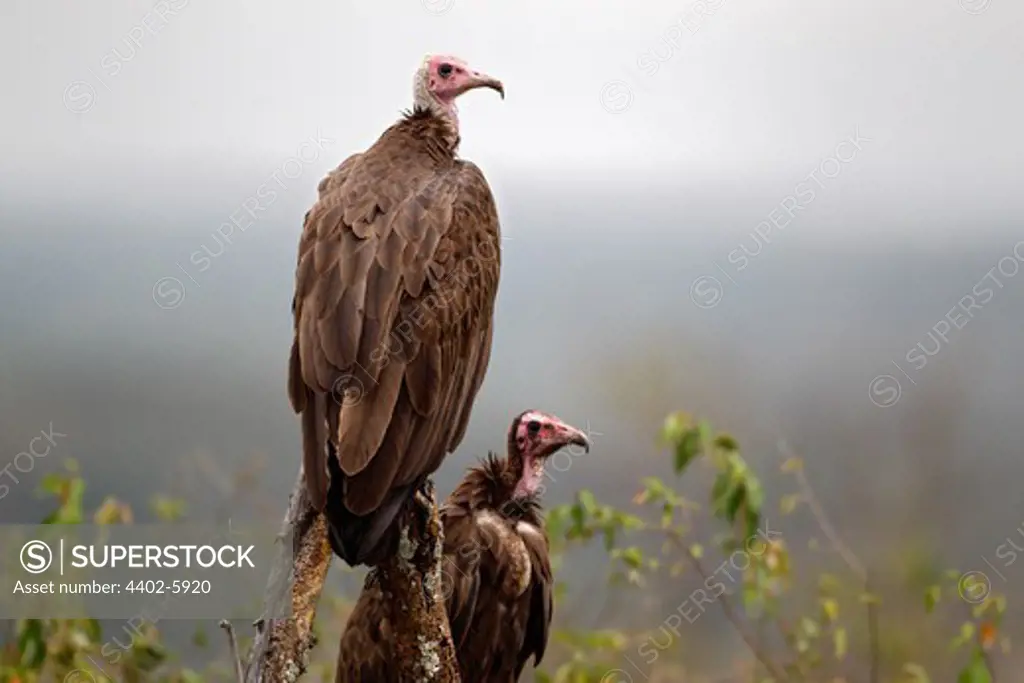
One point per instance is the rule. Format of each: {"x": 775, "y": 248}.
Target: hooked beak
{"x": 481, "y": 80}
{"x": 562, "y": 435}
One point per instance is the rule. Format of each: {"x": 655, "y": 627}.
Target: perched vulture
{"x": 394, "y": 300}
{"x": 497, "y": 573}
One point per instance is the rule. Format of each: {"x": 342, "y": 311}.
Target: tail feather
{"x": 314, "y": 434}
{"x": 362, "y": 539}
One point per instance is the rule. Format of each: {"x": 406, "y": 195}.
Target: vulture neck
{"x": 491, "y": 486}
{"x": 434, "y": 127}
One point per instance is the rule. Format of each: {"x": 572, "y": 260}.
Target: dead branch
{"x": 280, "y": 650}
{"x": 236, "y": 662}
{"x": 410, "y": 581}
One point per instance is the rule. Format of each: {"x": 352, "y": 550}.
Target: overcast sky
{"x": 103, "y": 93}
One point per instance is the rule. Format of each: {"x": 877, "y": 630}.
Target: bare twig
{"x": 873, "y": 632}
{"x": 777, "y": 673}
{"x": 849, "y": 557}
{"x": 233, "y": 644}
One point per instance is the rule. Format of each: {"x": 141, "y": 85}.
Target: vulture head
{"x": 533, "y": 438}
{"x": 442, "y": 78}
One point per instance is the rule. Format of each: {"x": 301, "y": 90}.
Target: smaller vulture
{"x": 497, "y": 572}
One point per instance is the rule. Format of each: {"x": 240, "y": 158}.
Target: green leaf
{"x": 70, "y": 492}
{"x": 869, "y": 599}
{"x": 150, "y": 655}
{"x": 830, "y": 608}
{"x": 200, "y": 638}
{"x": 92, "y": 629}
{"x": 788, "y": 503}
{"x": 1000, "y": 604}
{"x": 112, "y": 511}
{"x": 190, "y": 676}
{"x": 726, "y": 442}
{"x": 578, "y": 517}
{"x": 167, "y": 509}
{"x": 687, "y": 448}
{"x": 654, "y": 489}
{"x": 755, "y": 494}
{"x": 976, "y": 672}
{"x": 829, "y": 583}
{"x": 675, "y": 426}
{"x": 736, "y": 499}
{"x": 840, "y": 641}
{"x": 587, "y": 500}
{"x": 627, "y": 521}
{"x": 966, "y": 635}
{"x": 753, "y": 521}
{"x": 632, "y": 556}
{"x": 931, "y": 598}
{"x": 609, "y": 538}
{"x": 810, "y": 627}
{"x": 916, "y": 673}
{"x": 31, "y": 643}
{"x": 721, "y": 488}
{"x": 667, "y": 515}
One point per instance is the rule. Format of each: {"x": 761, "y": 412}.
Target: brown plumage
{"x": 497, "y": 572}
{"x": 394, "y": 298}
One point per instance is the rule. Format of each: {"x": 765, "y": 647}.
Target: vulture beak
{"x": 482, "y": 80}
{"x": 562, "y": 435}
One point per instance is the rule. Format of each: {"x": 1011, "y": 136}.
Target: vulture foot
{"x": 425, "y": 497}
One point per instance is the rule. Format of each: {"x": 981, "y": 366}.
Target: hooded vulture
{"x": 394, "y": 299}
{"x": 497, "y": 573}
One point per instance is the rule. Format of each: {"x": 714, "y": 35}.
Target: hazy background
{"x": 131, "y": 132}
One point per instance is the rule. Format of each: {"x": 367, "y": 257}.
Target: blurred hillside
{"x": 596, "y": 322}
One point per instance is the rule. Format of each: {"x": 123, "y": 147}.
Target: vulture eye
{"x": 445, "y": 70}
{"x": 533, "y": 426}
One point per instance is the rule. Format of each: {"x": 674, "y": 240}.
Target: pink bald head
{"x": 442, "y": 78}
{"x": 535, "y": 436}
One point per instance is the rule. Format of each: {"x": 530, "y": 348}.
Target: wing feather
{"x": 393, "y": 301}
{"x": 365, "y": 654}
{"x": 461, "y": 581}
{"x": 422, "y": 379}
{"x": 364, "y": 421}
{"x": 540, "y": 602}
{"x": 479, "y": 369}
{"x": 362, "y": 492}
{"x": 314, "y": 467}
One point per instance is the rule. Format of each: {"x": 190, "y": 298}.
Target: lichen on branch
{"x": 411, "y": 584}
